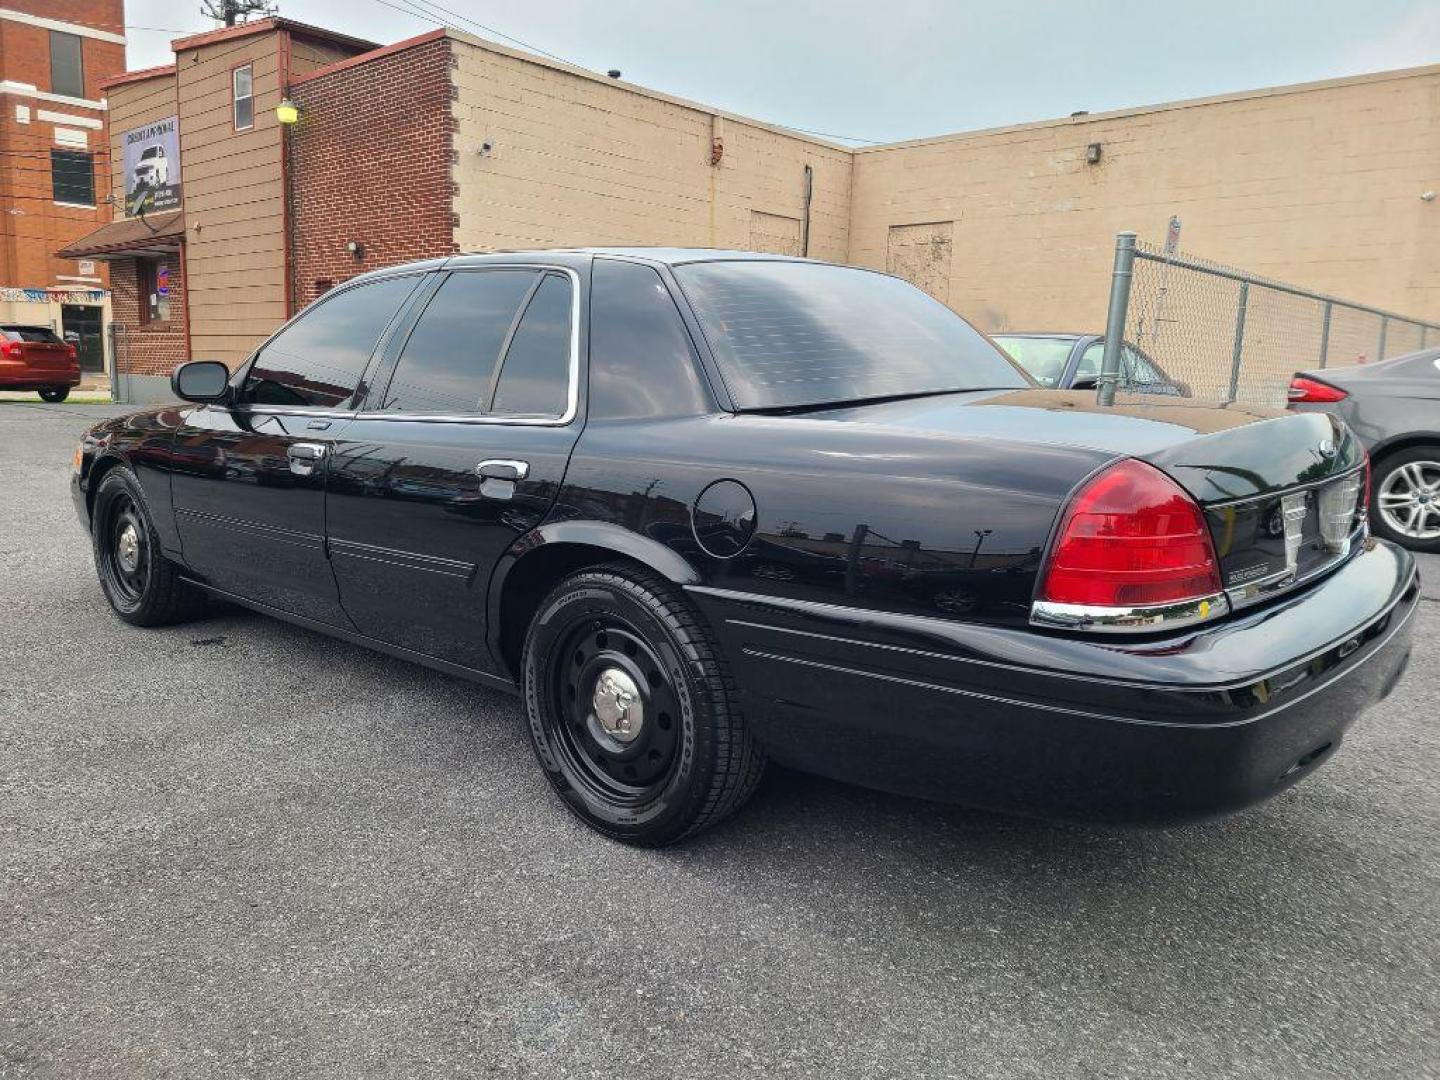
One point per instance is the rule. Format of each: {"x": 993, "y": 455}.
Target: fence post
{"x": 1325, "y": 336}
{"x": 1115, "y": 320}
{"x": 1239, "y": 346}
{"x": 1380, "y": 348}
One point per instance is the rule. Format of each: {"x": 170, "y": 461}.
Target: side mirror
{"x": 201, "y": 380}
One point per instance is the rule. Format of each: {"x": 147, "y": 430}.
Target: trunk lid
{"x": 1265, "y": 478}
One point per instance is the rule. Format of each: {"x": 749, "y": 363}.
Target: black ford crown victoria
{"x": 706, "y": 509}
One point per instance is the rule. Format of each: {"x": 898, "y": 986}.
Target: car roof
{"x": 1068, "y": 335}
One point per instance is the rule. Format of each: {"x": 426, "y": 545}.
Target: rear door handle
{"x": 503, "y": 469}
{"x": 304, "y": 456}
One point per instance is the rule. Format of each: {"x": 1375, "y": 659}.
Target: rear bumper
{"x": 19, "y": 375}
{"x": 1196, "y": 725}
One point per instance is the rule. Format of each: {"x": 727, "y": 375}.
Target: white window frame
{"x": 236, "y": 97}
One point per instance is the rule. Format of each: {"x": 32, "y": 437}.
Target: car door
{"x": 248, "y": 485}
{"x": 462, "y": 449}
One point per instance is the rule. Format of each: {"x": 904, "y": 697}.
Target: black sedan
{"x": 1394, "y": 409}
{"x": 704, "y": 510}
{"x": 1072, "y": 362}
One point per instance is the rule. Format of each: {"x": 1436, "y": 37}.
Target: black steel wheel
{"x": 142, "y": 585}
{"x": 55, "y": 393}
{"x": 631, "y": 711}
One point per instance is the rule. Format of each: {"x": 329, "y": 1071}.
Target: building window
{"x": 67, "y": 67}
{"x": 243, "y": 95}
{"x": 72, "y": 176}
{"x": 154, "y": 280}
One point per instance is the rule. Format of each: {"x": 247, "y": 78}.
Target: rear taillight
{"x": 1131, "y": 538}
{"x": 1303, "y": 389}
{"x": 14, "y": 350}
{"x": 72, "y": 352}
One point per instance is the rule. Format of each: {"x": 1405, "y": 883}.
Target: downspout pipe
{"x": 805, "y": 220}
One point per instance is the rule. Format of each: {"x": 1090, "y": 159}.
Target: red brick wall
{"x": 29, "y": 239}
{"x": 370, "y": 162}
{"x": 146, "y": 348}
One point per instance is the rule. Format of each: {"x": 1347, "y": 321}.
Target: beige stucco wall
{"x": 578, "y": 159}
{"x": 1318, "y": 185}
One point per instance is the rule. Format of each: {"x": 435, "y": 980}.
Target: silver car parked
{"x": 1394, "y": 407}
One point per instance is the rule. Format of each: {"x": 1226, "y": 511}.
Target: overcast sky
{"x": 883, "y": 70}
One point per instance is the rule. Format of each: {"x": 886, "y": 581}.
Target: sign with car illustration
{"x": 152, "y": 167}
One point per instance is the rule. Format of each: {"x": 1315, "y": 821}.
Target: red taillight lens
{"x": 1303, "y": 389}
{"x": 1131, "y": 537}
{"x": 14, "y": 350}
{"x": 72, "y": 352}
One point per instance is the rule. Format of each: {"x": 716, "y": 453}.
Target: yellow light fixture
{"x": 287, "y": 112}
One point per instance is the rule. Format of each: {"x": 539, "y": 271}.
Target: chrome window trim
{"x": 1129, "y": 620}
{"x": 572, "y": 397}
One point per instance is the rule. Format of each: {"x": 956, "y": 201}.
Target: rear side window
{"x": 30, "y": 333}
{"x": 316, "y": 362}
{"x": 448, "y": 364}
{"x": 535, "y": 373}
{"x": 1043, "y": 357}
{"x": 641, "y": 360}
{"x": 790, "y": 334}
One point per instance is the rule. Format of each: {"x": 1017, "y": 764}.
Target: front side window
{"x": 72, "y": 177}
{"x": 535, "y": 371}
{"x": 1135, "y": 368}
{"x": 448, "y": 365}
{"x": 795, "y": 334}
{"x": 243, "y": 96}
{"x": 67, "y": 65}
{"x": 317, "y": 361}
{"x": 1043, "y": 357}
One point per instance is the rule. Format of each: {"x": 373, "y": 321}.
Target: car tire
{"x": 55, "y": 393}
{"x": 143, "y": 586}
{"x": 632, "y": 711}
{"x": 1401, "y": 484}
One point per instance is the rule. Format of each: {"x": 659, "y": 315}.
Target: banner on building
{"x": 152, "y": 167}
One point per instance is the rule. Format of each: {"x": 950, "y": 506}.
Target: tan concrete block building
{"x": 445, "y": 142}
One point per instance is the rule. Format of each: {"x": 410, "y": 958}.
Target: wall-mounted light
{"x": 287, "y": 112}
{"x": 357, "y": 249}
{"x": 1092, "y": 153}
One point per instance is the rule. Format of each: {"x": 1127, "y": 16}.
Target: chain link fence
{"x": 1231, "y": 336}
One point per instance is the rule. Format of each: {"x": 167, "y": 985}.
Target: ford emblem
{"x": 1326, "y": 448}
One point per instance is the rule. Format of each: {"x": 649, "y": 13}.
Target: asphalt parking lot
{"x": 235, "y": 848}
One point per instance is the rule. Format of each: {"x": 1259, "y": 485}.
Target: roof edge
{"x": 1391, "y": 75}
{"x": 138, "y": 75}
{"x": 366, "y": 57}
{"x": 266, "y": 26}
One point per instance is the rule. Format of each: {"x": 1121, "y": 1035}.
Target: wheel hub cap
{"x": 127, "y": 549}
{"x": 617, "y": 707}
{"x": 1409, "y": 499}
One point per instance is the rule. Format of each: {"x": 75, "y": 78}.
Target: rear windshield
{"x": 30, "y": 333}
{"x": 792, "y": 333}
{"x": 1043, "y": 357}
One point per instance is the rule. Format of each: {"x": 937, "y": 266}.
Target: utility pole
{"x": 230, "y": 12}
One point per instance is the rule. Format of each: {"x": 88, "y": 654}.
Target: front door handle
{"x": 503, "y": 469}
{"x": 304, "y": 456}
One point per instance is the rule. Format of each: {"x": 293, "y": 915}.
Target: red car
{"x": 34, "y": 358}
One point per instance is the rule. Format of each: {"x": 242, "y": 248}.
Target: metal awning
{"x": 128, "y": 238}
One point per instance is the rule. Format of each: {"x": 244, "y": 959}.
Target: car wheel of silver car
{"x": 1405, "y": 504}
{"x": 632, "y": 713}
{"x": 142, "y": 585}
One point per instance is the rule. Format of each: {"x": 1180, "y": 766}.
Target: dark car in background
{"x": 35, "y": 358}
{"x": 707, "y": 509}
{"x": 1072, "y": 362}
{"x": 1394, "y": 409}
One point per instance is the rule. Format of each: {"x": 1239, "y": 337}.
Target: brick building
{"x": 54, "y": 162}
{"x": 445, "y": 142}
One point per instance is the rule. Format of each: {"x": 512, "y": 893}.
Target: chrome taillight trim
{"x": 1129, "y": 620}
